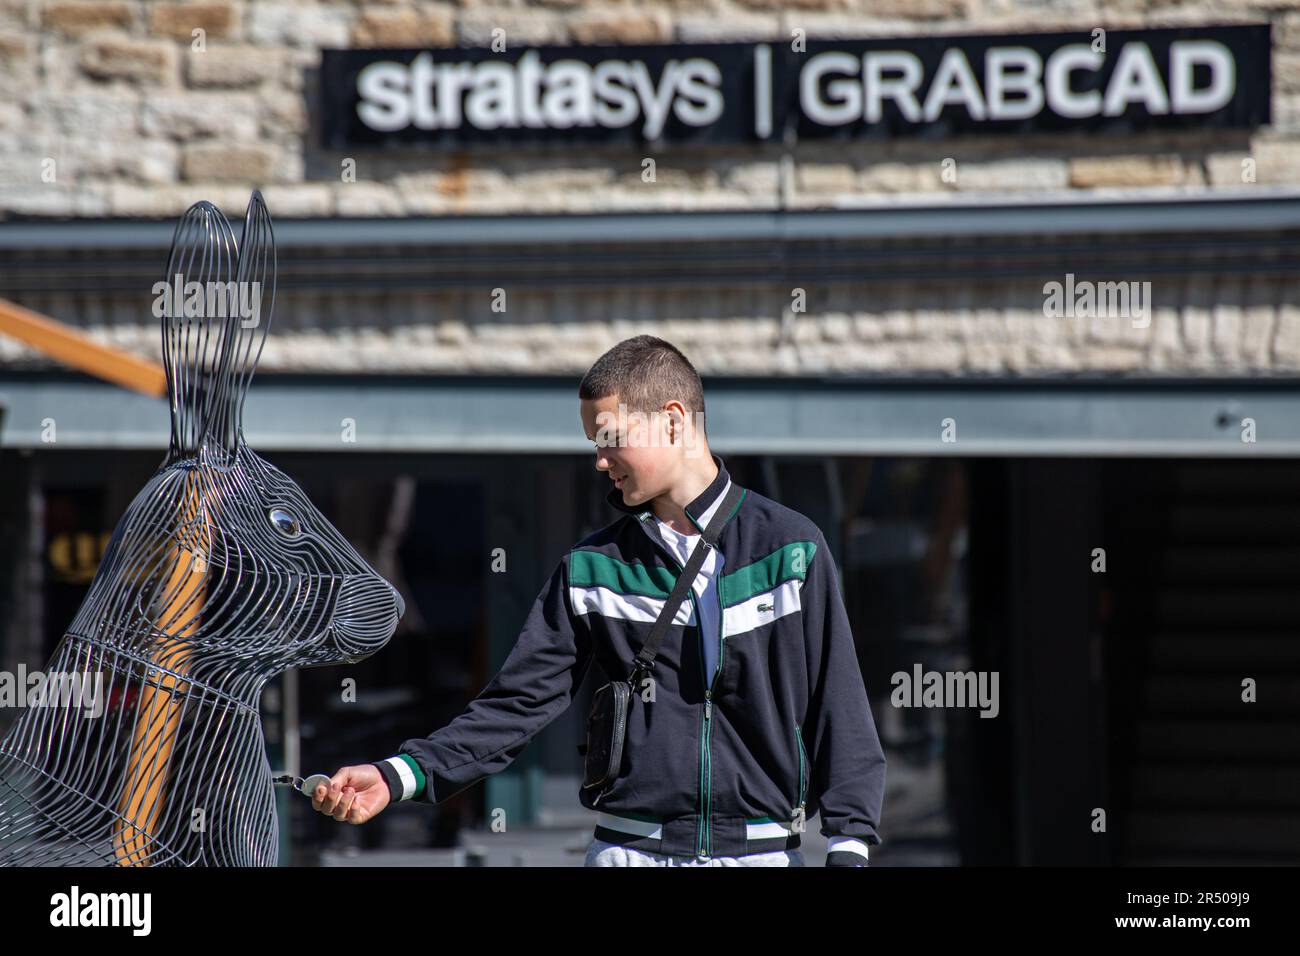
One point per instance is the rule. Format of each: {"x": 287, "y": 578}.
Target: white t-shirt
{"x": 705, "y": 584}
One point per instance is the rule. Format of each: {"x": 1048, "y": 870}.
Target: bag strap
{"x": 645, "y": 657}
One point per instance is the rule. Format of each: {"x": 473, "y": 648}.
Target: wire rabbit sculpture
{"x": 220, "y": 575}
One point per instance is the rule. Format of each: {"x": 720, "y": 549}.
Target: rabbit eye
{"x": 285, "y": 523}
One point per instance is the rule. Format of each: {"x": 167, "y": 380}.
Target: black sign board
{"x": 1117, "y": 81}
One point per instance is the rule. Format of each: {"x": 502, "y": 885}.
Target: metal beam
{"x": 74, "y": 348}
{"x": 1241, "y": 209}
{"x": 848, "y": 416}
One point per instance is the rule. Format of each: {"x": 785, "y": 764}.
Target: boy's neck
{"x": 670, "y": 507}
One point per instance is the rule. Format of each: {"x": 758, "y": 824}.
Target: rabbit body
{"x": 220, "y": 575}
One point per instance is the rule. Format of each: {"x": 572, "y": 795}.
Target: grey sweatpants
{"x": 600, "y": 853}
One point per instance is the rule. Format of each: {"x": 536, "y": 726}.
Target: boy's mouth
{"x": 618, "y": 482}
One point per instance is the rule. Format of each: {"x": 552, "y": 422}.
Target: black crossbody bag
{"x": 611, "y": 703}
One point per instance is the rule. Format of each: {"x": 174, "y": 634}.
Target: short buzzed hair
{"x": 646, "y": 372}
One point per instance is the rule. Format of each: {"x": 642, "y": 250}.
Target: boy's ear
{"x": 674, "y": 420}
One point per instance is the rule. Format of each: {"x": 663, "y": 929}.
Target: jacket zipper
{"x": 708, "y": 714}
{"x": 706, "y": 827}
{"x": 798, "y": 736}
{"x": 703, "y": 834}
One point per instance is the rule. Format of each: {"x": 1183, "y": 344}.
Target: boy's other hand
{"x": 354, "y": 795}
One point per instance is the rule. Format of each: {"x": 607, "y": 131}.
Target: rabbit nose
{"x": 364, "y": 619}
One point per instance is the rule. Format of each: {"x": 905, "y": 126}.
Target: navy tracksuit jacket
{"x": 783, "y": 732}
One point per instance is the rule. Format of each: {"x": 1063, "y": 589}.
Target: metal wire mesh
{"x": 220, "y": 575}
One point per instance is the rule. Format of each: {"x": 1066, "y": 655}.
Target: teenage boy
{"x": 754, "y": 716}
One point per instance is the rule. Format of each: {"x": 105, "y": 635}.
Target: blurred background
{"x": 857, "y": 225}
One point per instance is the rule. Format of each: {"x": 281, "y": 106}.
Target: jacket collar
{"x": 696, "y": 510}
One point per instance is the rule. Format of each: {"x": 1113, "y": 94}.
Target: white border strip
{"x": 849, "y": 844}
{"x": 405, "y": 775}
{"x": 627, "y": 825}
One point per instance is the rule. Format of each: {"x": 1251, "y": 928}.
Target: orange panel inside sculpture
{"x": 160, "y": 706}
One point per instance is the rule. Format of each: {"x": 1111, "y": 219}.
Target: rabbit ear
{"x": 256, "y": 280}
{"x": 203, "y": 257}
{"x": 248, "y": 323}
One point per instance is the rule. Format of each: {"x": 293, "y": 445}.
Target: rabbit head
{"x": 220, "y": 574}
{"x": 222, "y": 553}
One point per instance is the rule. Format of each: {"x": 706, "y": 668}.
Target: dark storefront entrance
{"x": 1119, "y": 690}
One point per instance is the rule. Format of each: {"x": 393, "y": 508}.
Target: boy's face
{"x": 633, "y": 448}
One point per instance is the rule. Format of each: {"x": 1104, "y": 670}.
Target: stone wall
{"x": 141, "y": 124}
{"x": 1197, "y": 326}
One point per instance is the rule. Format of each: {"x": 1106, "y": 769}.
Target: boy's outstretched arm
{"x": 534, "y": 686}
{"x": 848, "y": 764}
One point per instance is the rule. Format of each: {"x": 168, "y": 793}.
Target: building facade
{"x": 974, "y": 337}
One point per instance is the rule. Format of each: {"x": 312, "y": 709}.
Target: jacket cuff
{"x": 405, "y": 779}
{"x": 846, "y": 851}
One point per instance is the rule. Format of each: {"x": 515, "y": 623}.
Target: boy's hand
{"x": 354, "y": 795}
